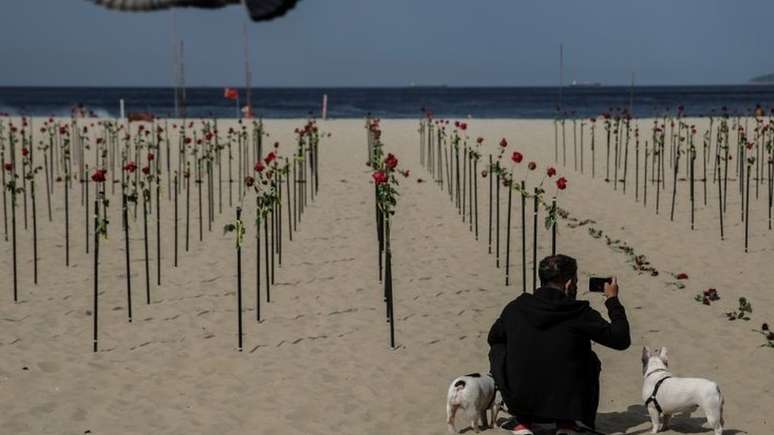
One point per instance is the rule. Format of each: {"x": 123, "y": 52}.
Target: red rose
{"x": 503, "y": 143}
{"x": 480, "y": 140}
{"x": 146, "y": 170}
{"x": 249, "y": 181}
{"x": 484, "y": 173}
{"x": 463, "y": 126}
{"x": 457, "y": 124}
{"x": 270, "y": 157}
{"x": 99, "y": 176}
{"x": 8, "y": 166}
{"x": 259, "y": 167}
{"x": 25, "y": 152}
{"x": 187, "y": 140}
{"x": 62, "y": 130}
{"x": 561, "y": 183}
{"x": 551, "y": 171}
{"x": 379, "y": 177}
{"x": 130, "y": 167}
{"x": 517, "y": 157}
{"x": 681, "y": 275}
{"x": 209, "y": 136}
{"x": 532, "y": 166}
{"x": 391, "y": 162}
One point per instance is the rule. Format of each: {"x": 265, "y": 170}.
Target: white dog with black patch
{"x": 473, "y": 395}
{"x": 666, "y": 395}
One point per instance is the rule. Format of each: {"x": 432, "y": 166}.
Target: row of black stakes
{"x": 436, "y": 154}
{"x": 302, "y": 176}
{"x": 101, "y": 154}
{"x": 383, "y": 244}
{"x": 657, "y": 153}
{"x": 300, "y": 194}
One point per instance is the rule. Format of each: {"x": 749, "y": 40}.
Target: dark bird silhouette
{"x": 259, "y": 10}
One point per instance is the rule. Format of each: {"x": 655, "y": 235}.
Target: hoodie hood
{"x": 548, "y": 307}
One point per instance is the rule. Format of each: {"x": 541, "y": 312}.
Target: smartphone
{"x": 597, "y": 284}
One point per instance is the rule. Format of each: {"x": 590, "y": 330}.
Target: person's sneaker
{"x": 516, "y": 428}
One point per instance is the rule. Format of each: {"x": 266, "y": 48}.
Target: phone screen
{"x": 597, "y": 284}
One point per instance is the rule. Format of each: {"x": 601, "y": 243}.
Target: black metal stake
{"x": 524, "y": 236}
{"x": 158, "y": 234}
{"x": 266, "y": 246}
{"x": 145, "y": 196}
{"x": 239, "y": 279}
{"x": 490, "y": 202}
{"x": 96, "y": 270}
{"x": 176, "y": 225}
{"x": 508, "y": 236}
{"x": 125, "y": 210}
{"x": 534, "y": 243}
{"x": 34, "y": 232}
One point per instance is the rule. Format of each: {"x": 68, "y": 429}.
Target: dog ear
{"x": 645, "y": 354}
{"x": 663, "y": 355}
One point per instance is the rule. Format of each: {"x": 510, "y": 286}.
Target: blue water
{"x": 449, "y": 102}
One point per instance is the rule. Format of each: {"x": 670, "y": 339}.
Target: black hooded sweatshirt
{"x": 541, "y": 357}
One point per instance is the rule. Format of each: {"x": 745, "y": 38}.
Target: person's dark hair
{"x": 557, "y": 269}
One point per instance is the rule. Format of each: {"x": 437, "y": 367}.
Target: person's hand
{"x": 611, "y": 288}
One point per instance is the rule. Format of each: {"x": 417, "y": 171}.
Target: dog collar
{"x": 655, "y": 371}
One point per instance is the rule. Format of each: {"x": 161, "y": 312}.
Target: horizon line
{"x": 583, "y": 85}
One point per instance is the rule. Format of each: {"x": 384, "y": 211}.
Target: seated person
{"x": 540, "y": 350}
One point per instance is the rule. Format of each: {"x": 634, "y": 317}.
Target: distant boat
{"x": 577, "y": 84}
{"x": 414, "y": 85}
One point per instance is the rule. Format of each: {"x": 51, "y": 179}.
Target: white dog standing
{"x": 665, "y": 395}
{"x": 472, "y": 394}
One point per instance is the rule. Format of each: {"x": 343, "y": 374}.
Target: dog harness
{"x": 652, "y": 399}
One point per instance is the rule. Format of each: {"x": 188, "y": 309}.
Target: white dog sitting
{"x": 474, "y": 395}
{"x": 665, "y": 395}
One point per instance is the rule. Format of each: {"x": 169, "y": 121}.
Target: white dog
{"x": 474, "y": 395}
{"x": 665, "y": 395}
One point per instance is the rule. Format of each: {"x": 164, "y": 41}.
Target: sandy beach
{"x": 319, "y": 362}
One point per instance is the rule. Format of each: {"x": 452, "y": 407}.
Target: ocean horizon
{"x": 521, "y": 102}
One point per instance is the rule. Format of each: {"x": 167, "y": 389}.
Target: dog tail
{"x": 454, "y": 391}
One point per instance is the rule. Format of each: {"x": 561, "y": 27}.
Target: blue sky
{"x": 393, "y": 43}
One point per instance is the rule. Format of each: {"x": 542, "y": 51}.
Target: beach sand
{"x": 320, "y": 361}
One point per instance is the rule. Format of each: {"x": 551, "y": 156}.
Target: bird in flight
{"x": 259, "y": 10}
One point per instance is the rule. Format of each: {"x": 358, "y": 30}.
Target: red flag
{"x": 231, "y": 94}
